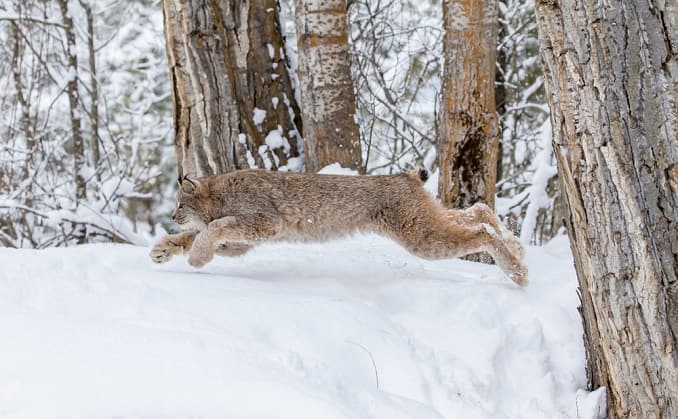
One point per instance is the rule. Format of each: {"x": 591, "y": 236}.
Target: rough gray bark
{"x": 227, "y": 60}
{"x": 469, "y": 130}
{"x": 327, "y": 99}
{"x": 8, "y": 228}
{"x": 611, "y": 74}
{"x": 25, "y": 118}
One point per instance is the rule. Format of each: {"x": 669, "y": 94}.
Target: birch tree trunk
{"x": 73, "y": 101}
{"x": 611, "y": 74}
{"x": 469, "y": 130}
{"x": 233, "y": 102}
{"x": 94, "y": 87}
{"x": 327, "y": 98}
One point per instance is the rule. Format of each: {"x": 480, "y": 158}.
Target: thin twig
{"x": 374, "y": 365}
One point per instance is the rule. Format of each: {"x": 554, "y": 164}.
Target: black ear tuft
{"x": 423, "y": 174}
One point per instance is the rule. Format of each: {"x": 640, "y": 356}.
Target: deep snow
{"x": 355, "y": 328}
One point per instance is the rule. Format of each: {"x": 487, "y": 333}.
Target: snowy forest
{"x": 562, "y": 117}
{"x": 112, "y": 175}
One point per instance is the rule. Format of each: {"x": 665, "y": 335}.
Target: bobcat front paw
{"x": 163, "y": 251}
{"x": 199, "y": 259}
{"x": 201, "y": 251}
{"x": 160, "y": 254}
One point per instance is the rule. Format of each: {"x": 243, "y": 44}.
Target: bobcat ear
{"x": 195, "y": 187}
{"x": 189, "y": 186}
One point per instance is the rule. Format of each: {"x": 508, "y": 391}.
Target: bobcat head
{"x": 192, "y": 212}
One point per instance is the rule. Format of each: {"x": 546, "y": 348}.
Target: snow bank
{"x": 355, "y": 328}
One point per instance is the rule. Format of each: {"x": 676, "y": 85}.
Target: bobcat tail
{"x": 419, "y": 174}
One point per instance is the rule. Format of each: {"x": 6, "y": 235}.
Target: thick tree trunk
{"x": 469, "y": 130}
{"x": 233, "y": 102}
{"x": 610, "y": 72}
{"x": 327, "y": 98}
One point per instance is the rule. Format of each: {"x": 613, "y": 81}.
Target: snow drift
{"x": 355, "y": 328}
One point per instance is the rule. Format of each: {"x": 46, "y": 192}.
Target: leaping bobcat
{"x": 228, "y": 214}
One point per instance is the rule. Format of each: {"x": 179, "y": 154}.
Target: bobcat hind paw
{"x": 519, "y": 275}
{"x": 515, "y": 245}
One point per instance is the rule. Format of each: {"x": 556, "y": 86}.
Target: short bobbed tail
{"x": 419, "y": 174}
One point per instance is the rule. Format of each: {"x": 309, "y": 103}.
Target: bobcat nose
{"x": 174, "y": 215}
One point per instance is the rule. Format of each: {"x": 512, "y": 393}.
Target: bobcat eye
{"x": 181, "y": 206}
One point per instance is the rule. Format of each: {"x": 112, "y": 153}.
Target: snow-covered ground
{"x": 355, "y": 328}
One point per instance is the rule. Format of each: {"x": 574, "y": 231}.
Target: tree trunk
{"x": 610, "y": 72}
{"x": 8, "y": 228}
{"x": 73, "y": 103}
{"x": 469, "y": 131}
{"x": 327, "y": 98}
{"x": 94, "y": 87}
{"x": 233, "y": 102}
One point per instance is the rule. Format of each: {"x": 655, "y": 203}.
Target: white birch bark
{"x": 326, "y": 89}
{"x": 73, "y": 102}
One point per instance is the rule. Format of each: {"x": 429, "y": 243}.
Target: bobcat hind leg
{"x": 228, "y": 249}
{"x": 433, "y": 237}
{"x": 481, "y": 213}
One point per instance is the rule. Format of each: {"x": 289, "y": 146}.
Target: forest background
{"x": 124, "y": 145}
